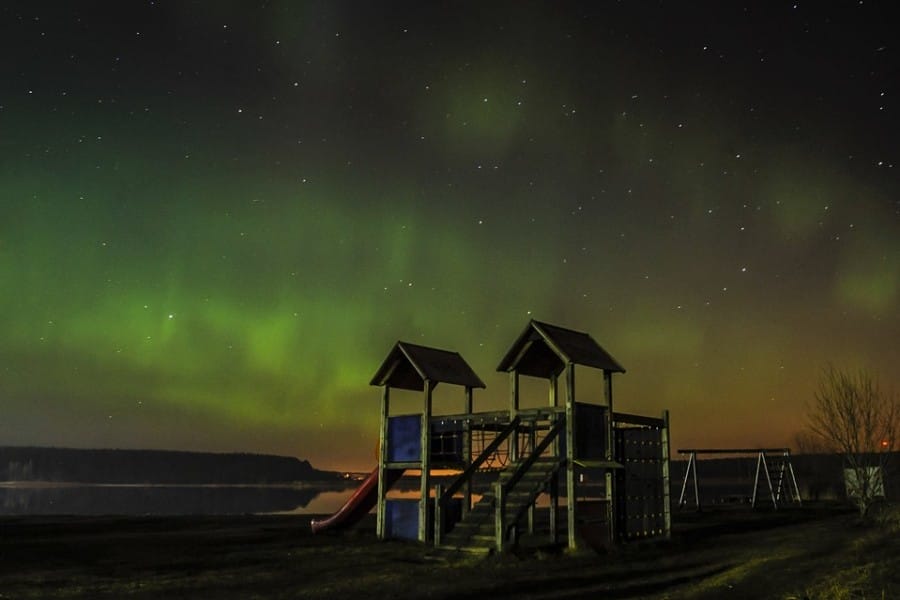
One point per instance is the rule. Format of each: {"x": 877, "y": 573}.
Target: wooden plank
{"x": 425, "y": 459}
{"x": 408, "y": 465}
{"x": 637, "y": 420}
{"x": 494, "y": 416}
{"x": 467, "y": 453}
{"x": 599, "y": 464}
{"x": 513, "y": 413}
{"x": 382, "y": 461}
{"x": 499, "y": 516}
{"x": 612, "y": 509}
{"x": 570, "y": 455}
{"x": 667, "y": 500}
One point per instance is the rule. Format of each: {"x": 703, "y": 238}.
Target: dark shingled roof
{"x": 544, "y": 349}
{"x": 407, "y": 366}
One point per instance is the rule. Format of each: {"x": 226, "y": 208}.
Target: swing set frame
{"x": 771, "y": 464}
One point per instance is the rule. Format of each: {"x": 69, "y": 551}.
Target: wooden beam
{"x": 554, "y": 398}
{"x": 554, "y": 389}
{"x": 525, "y": 348}
{"x": 570, "y": 455}
{"x": 637, "y": 420}
{"x": 554, "y": 509}
{"x": 499, "y": 517}
{"x": 667, "y": 496}
{"x": 467, "y": 452}
{"x": 382, "y": 461}
{"x": 425, "y": 459}
{"x": 612, "y": 509}
{"x": 513, "y": 412}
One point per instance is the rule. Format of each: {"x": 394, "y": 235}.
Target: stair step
{"x": 521, "y": 497}
{"x": 475, "y": 533}
{"x": 476, "y": 550}
{"x": 540, "y": 465}
{"x": 483, "y": 539}
{"x": 467, "y": 527}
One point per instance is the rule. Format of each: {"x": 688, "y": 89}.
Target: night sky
{"x": 217, "y": 217}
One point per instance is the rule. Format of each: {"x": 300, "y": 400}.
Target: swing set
{"x": 773, "y": 466}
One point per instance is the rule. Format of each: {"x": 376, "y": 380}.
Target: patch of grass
{"x": 887, "y": 516}
{"x": 869, "y": 566}
{"x": 741, "y": 572}
{"x": 854, "y": 583}
{"x": 815, "y": 555}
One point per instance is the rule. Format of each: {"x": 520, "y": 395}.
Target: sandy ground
{"x": 806, "y": 553}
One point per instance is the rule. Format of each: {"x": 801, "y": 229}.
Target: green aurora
{"x": 214, "y": 230}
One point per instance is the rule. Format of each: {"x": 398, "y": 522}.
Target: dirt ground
{"x": 804, "y": 553}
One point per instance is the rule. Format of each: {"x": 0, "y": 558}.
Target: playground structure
{"x": 563, "y": 450}
{"x": 772, "y": 465}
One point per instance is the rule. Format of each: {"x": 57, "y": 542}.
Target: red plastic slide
{"x": 359, "y": 504}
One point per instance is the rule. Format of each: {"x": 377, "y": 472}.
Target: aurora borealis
{"x": 217, "y": 217}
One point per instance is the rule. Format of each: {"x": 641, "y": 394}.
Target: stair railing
{"x": 525, "y": 465}
{"x": 501, "y": 490}
{"x": 443, "y": 496}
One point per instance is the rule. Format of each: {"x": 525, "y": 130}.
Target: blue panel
{"x": 404, "y": 438}
{"x": 402, "y": 519}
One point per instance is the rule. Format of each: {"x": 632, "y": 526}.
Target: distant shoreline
{"x": 21, "y": 464}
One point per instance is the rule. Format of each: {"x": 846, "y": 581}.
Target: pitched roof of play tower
{"x": 407, "y": 366}
{"x": 544, "y": 349}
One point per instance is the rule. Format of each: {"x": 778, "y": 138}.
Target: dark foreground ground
{"x": 807, "y": 553}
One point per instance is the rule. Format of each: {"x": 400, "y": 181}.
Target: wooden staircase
{"x": 519, "y": 484}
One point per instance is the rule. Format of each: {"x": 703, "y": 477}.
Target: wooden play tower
{"x": 610, "y": 468}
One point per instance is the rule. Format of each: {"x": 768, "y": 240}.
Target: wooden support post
{"x": 382, "y": 461}
{"x": 532, "y": 444}
{"x": 570, "y": 455}
{"x": 612, "y": 509}
{"x": 553, "y": 401}
{"x": 553, "y": 389}
{"x": 467, "y": 452}
{"x": 438, "y": 515}
{"x": 554, "y": 509}
{"x": 531, "y": 519}
{"x": 499, "y": 516}
{"x": 667, "y": 500}
{"x": 513, "y": 411}
{"x": 425, "y": 461}
{"x": 554, "y": 483}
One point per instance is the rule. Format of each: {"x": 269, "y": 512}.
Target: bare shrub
{"x": 854, "y": 417}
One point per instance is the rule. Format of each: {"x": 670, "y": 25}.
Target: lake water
{"x": 28, "y": 498}
{"x": 65, "y": 499}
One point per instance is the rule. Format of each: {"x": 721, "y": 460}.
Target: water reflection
{"x": 25, "y": 499}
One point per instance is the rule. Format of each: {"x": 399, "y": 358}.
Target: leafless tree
{"x": 807, "y": 442}
{"x": 852, "y": 415}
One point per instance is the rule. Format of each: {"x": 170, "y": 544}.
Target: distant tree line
{"x": 152, "y": 467}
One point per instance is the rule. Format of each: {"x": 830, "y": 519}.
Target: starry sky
{"x": 217, "y": 217}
